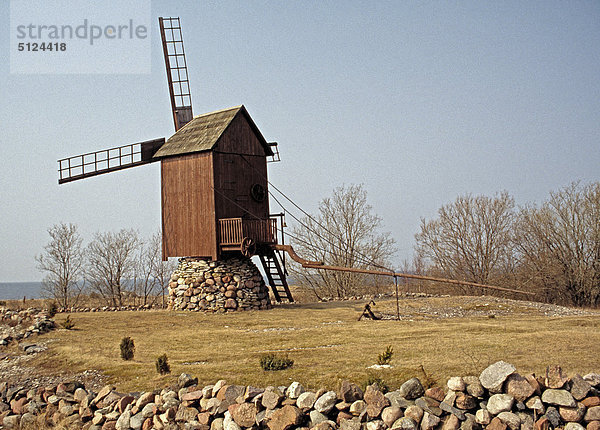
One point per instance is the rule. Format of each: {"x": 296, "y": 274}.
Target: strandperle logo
{"x": 84, "y": 31}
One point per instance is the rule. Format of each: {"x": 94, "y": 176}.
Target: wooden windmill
{"x": 214, "y": 187}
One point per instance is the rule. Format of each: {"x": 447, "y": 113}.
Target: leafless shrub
{"x": 62, "y": 261}
{"x": 344, "y": 232}
{"x": 471, "y": 239}
{"x": 111, "y": 263}
{"x": 151, "y": 273}
{"x": 559, "y": 244}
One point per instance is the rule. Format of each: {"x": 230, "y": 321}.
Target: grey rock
{"x": 326, "y": 402}
{"x": 391, "y": 414}
{"x": 294, "y": 390}
{"x": 526, "y": 421}
{"x": 469, "y": 423}
{"x": 252, "y": 392}
{"x": 207, "y": 392}
{"x": 186, "y": 380}
{"x": 558, "y": 397}
{"x": 317, "y": 417}
{"x": 452, "y": 410}
{"x": 483, "y": 416}
{"x": 352, "y": 424}
{"x": 210, "y": 405}
{"x": 350, "y": 392}
{"x": 592, "y": 414}
{"x": 231, "y": 426}
{"x": 500, "y": 403}
{"x": 217, "y": 424}
{"x": 535, "y": 404}
{"x": 450, "y": 398}
{"x": 579, "y": 387}
{"x": 553, "y": 416}
{"x": 511, "y": 420}
{"x": 148, "y": 410}
{"x": 456, "y": 383}
{"x": 357, "y": 407}
{"x": 306, "y": 400}
{"x": 231, "y": 392}
{"x": 271, "y": 397}
{"x": 495, "y": 374}
{"x": 136, "y": 421}
{"x": 474, "y": 387}
{"x": 593, "y": 379}
{"x": 376, "y": 425}
{"x": 227, "y": 419}
{"x": 396, "y": 399}
{"x": 11, "y": 422}
{"x": 574, "y": 426}
{"x": 28, "y": 420}
{"x": 411, "y": 389}
{"x": 404, "y": 423}
{"x": 185, "y": 414}
{"x": 219, "y": 384}
{"x": 123, "y": 422}
{"x": 429, "y": 405}
{"x": 429, "y": 421}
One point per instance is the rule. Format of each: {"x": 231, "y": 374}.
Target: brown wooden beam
{"x": 319, "y": 265}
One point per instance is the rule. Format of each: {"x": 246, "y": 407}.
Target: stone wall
{"x": 498, "y": 399}
{"x": 233, "y": 284}
{"x": 19, "y": 325}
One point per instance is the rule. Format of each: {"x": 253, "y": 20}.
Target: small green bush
{"x": 162, "y": 364}
{"x": 52, "y": 309}
{"x": 386, "y": 356}
{"x": 68, "y": 323}
{"x": 127, "y": 348}
{"x": 274, "y": 362}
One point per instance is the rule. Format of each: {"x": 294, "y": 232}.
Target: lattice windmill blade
{"x": 177, "y": 73}
{"x": 108, "y": 160}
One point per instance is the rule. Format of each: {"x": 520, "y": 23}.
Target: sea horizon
{"x": 18, "y": 290}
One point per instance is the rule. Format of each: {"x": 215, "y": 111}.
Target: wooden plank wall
{"x": 188, "y": 206}
{"x": 240, "y": 162}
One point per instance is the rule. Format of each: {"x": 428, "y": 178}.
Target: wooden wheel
{"x": 248, "y": 247}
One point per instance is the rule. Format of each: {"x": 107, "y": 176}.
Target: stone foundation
{"x": 233, "y": 284}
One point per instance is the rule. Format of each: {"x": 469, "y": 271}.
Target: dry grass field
{"x": 326, "y": 342}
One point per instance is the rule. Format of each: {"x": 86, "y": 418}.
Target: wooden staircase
{"x": 271, "y": 262}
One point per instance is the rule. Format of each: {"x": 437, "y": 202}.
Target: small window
{"x": 258, "y": 193}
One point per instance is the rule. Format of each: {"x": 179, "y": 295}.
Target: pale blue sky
{"x": 420, "y": 101}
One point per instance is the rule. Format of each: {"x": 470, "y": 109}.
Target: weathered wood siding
{"x": 188, "y": 206}
{"x": 239, "y": 163}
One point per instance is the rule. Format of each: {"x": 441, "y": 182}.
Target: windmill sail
{"x": 107, "y": 160}
{"x": 177, "y": 74}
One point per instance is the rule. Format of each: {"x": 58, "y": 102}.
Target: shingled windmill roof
{"x": 203, "y": 132}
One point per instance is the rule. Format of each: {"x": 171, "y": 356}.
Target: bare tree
{"x": 471, "y": 239}
{"x": 560, "y": 245}
{"x": 161, "y": 270}
{"x": 151, "y": 275}
{"x": 345, "y": 233}
{"x": 111, "y": 263}
{"x": 143, "y": 284}
{"x": 62, "y": 261}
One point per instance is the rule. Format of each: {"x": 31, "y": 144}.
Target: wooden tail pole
{"x": 319, "y": 265}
